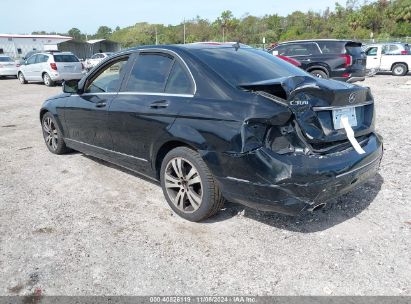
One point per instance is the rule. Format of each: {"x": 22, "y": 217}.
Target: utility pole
{"x": 223, "y": 35}
{"x": 184, "y": 30}
{"x": 156, "y": 37}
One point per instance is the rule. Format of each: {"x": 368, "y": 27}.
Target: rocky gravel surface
{"x": 74, "y": 225}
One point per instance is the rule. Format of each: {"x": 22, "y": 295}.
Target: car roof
{"x": 315, "y": 40}
{"x": 188, "y": 46}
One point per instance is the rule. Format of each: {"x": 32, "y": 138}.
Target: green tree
{"x": 75, "y": 33}
{"x": 103, "y": 32}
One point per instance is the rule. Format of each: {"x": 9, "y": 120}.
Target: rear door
{"x": 158, "y": 87}
{"x": 67, "y": 63}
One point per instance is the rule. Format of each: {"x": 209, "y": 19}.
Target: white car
{"x": 96, "y": 59}
{"x": 7, "y": 66}
{"x": 51, "y": 67}
{"x": 379, "y": 60}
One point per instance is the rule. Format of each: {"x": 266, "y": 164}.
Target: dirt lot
{"x": 73, "y": 225}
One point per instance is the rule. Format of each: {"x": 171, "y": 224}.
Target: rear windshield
{"x": 6, "y": 59}
{"x": 340, "y": 47}
{"x": 247, "y": 65}
{"x": 65, "y": 58}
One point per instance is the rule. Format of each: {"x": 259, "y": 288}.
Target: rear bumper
{"x": 294, "y": 183}
{"x": 8, "y": 72}
{"x": 349, "y": 74}
{"x": 66, "y": 76}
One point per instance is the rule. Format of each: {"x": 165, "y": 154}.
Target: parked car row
{"x": 49, "y": 67}
{"x": 344, "y": 59}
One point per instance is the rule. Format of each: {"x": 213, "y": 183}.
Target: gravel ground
{"x": 74, "y": 225}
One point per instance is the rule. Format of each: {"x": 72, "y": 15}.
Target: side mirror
{"x": 25, "y": 62}
{"x": 70, "y": 86}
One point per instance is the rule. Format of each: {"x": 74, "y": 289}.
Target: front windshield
{"x": 246, "y": 65}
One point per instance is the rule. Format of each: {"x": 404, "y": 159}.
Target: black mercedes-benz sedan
{"x": 217, "y": 121}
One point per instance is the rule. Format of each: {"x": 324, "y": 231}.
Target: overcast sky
{"x": 26, "y": 16}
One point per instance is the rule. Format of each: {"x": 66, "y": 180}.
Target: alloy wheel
{"x": 50, "y": 133}
{"x": 46, "y": 79}
{"x": 398, "y": 70}
{"x": 183, "y": 184}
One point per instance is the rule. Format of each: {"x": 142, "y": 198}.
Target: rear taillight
{"x": 348, "y": 60}
{"x": 18, "y": 65}
{"x": 53, "y": 66}
{"x": 345, "y": 75}
{"x": 404, "y": 52}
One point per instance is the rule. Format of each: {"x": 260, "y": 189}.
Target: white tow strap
{"x": 350, "y": 135}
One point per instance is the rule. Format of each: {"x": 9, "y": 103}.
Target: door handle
{"x": 159, "y": 104}
{"x": 101, "y": 104}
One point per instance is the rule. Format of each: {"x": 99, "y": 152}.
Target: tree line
{"x": 356, "y": 20}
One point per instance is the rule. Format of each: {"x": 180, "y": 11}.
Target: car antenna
{"x": 236, "y": 46}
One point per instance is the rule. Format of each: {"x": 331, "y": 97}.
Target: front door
{"x": 157, "y": 88}
{"x": 85, "y": 114}
{"x": 29, "y": 66}
{"x": 373, "y": 58}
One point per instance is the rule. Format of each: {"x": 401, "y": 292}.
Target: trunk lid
{"x": 315, "y": 103}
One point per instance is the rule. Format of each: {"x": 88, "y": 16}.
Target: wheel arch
{"x": 395, "y": 63}
{"x": 318, "y": 67}
{"x": 164, "y": 149}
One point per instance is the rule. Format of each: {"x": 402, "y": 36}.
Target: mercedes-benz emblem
{"x": 352, "y": 98}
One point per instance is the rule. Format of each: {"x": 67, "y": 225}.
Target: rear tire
{"x": 319, "y": 74}
{"x": 399, "y": 69}
{"x": 21, "y": 78}
{"x": 188, "y": 185}
{"x": 47, "y": 80}
{"x": 53, "y": 137}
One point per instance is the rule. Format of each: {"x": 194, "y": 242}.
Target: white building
{"x": 17, "y": 46}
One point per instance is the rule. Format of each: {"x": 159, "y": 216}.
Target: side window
{"x": 179, "y": 81}
{"x": 32, "y": 59}
{"x": 393, "y": 48}
{"x": 108, "y": 78}
{"x": 282, "y": 50}
{"x": 149, "y": 73}
{"x": 372, "y": 51}
{"x": 41, "y": 58}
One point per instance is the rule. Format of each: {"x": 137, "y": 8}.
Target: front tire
{"x": 399, "y": 69}
{"x": 188, "y": 185}
{"x": 47, "y": 80}
{"x": 21, "y": 78}
{"x": 319, "y": 74}
{"x": 53, "y": 137}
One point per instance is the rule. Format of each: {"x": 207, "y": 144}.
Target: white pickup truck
{"x": 378, "y": 60}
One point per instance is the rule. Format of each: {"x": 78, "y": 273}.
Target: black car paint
{"x": 332, "y": 64}
{"x": 230, "y": 129}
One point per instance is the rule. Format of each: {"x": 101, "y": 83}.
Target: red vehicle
{"x": 290, "y": 60}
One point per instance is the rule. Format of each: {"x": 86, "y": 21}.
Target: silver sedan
{"x": 7, "y": 66}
